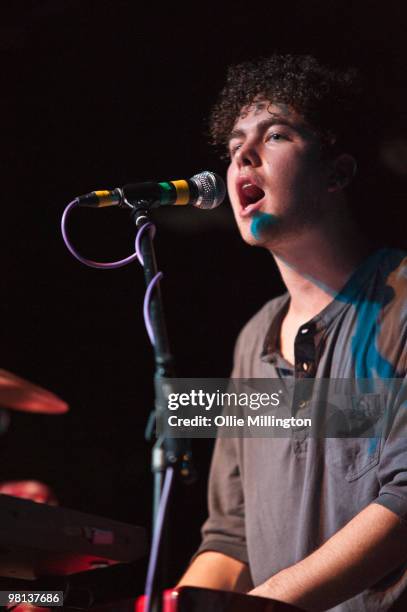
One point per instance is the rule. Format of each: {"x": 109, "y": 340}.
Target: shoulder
{"x": 392, "y": 334}
{"x": 394, "y": 275}
{"x": 393, "y": 267}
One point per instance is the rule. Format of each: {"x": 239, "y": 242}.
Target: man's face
{"x": 277, "y": 180}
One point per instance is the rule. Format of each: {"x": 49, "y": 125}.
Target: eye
{"x": 234, "y": 148}
{"x": 274, "y": 136}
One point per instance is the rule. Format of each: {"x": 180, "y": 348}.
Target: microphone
{"x": 205, "y": 190}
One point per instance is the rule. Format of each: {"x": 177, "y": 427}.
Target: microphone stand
{"x": 166, "y": 452}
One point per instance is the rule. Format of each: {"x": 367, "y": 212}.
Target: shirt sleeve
{"x": 224, "y": 530}
{"x": 393, "y": 462}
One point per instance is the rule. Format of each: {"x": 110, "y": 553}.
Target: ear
{"x": 343, "y": 169}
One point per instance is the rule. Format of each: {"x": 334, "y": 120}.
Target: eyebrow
{"x": 275, "y": 119}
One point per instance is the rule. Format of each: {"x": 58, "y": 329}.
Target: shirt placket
{"x": 304, "y": 370}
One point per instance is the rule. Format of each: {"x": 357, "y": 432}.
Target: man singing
{"x": 320, "y": 523}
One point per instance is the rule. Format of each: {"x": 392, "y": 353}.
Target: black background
{"x": 96, "y": 94}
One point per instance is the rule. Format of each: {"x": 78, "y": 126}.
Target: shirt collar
{"x": 343, "y": 300}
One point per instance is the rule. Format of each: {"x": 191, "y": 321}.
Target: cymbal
{"x": 29, "y": 489}
{"x": 19, "y": 394}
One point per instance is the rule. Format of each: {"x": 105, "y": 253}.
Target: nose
{"x": 247, "y": 155}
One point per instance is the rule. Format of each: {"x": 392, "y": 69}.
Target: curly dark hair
{"x": 327, "y": 98}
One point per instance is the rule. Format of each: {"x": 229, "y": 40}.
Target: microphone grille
{"x": 211, "y": 190}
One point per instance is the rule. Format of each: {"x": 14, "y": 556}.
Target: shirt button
{"x": 305, "y": 366}
{"x": 305, "y": 330}
{"x": 302, "y": 404}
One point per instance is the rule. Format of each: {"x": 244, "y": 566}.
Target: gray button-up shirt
{"x": 273, "y": 501}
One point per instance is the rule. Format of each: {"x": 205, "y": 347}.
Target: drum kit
{"x": 19, "y": 394}
{"x": 24, "y": 396}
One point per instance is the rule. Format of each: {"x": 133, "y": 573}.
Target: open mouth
{"x": 250, "y": 194}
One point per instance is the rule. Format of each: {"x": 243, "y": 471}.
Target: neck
{"x": 317, "y": 265}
